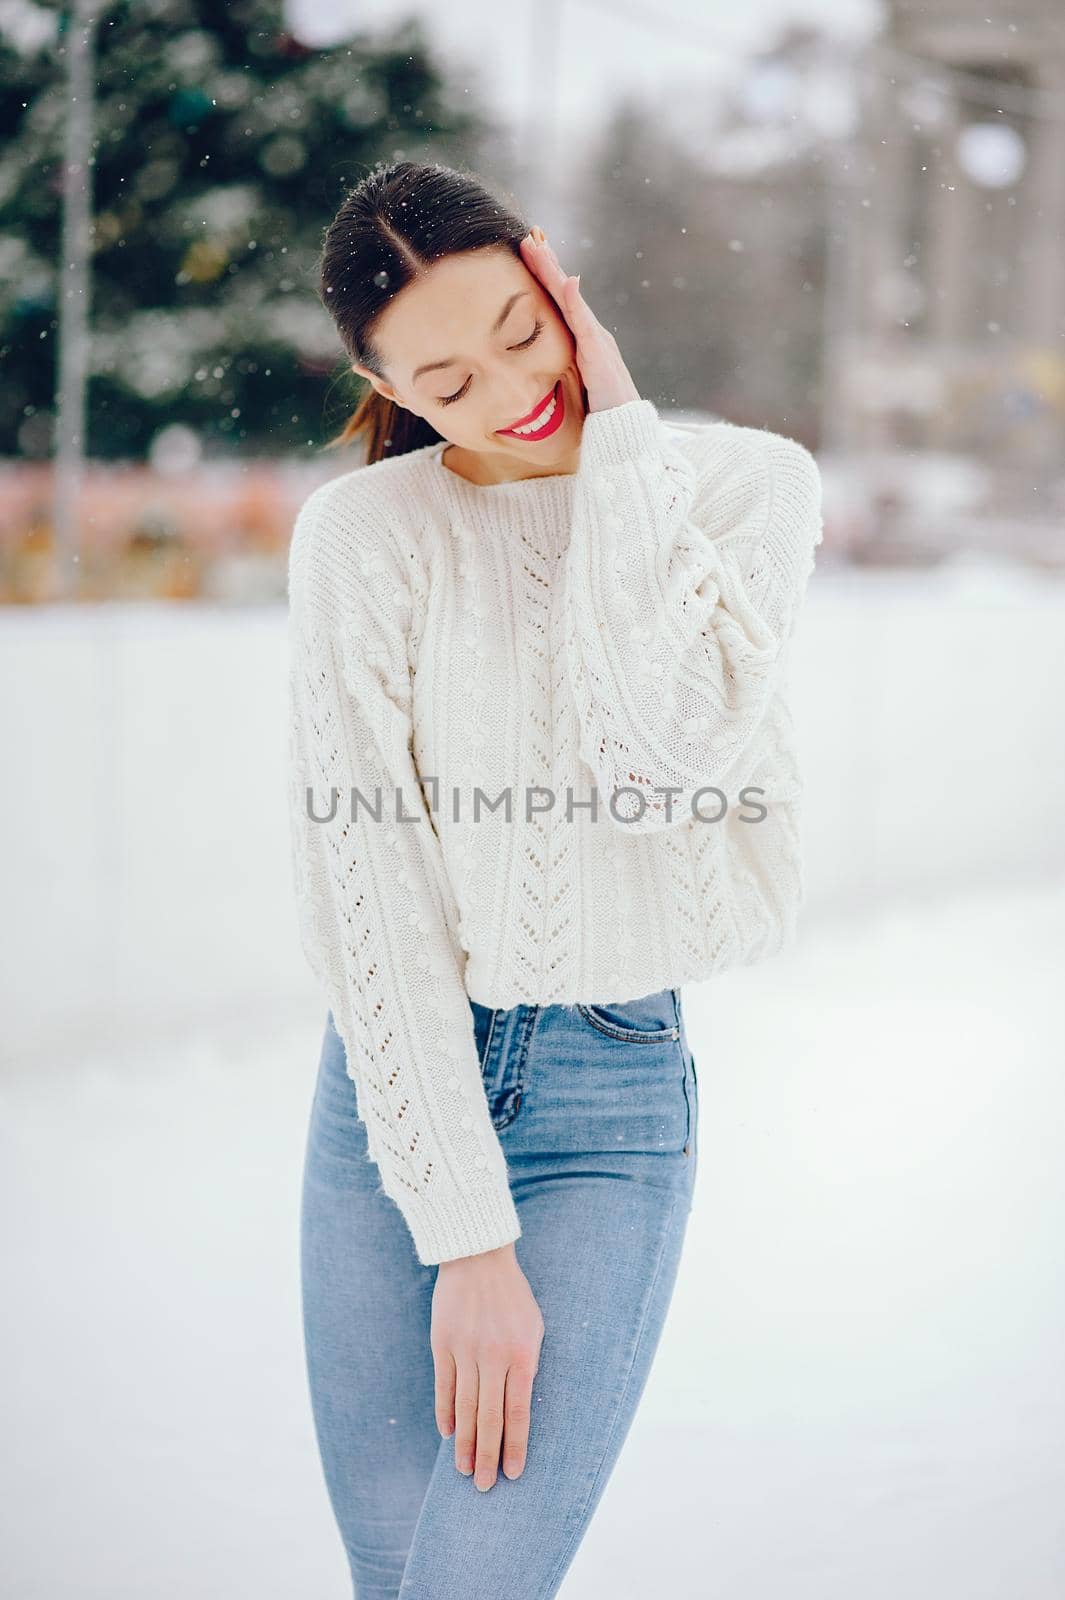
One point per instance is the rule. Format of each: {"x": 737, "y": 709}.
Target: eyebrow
{"x": 431, "y": 366}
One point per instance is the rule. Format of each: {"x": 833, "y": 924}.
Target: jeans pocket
{"x": 648, "y": 1020}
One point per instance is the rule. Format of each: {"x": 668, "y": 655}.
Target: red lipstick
{"x": 553, "y": 418}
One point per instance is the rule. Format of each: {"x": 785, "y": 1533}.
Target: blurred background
{"x": 843, "y": 221}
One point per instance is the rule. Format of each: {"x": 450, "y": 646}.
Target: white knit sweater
{"x": 624, "y": 627}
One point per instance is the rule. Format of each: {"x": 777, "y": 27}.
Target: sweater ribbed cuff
{"x": 611, "y": 437}
{"x": 456, "y": 1225}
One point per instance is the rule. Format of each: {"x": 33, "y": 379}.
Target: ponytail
{"x": 388, "y": 429}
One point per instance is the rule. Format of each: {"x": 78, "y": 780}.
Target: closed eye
{"x": 449, "y": 399}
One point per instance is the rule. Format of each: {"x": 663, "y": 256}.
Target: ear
{"x": 379, "y": 384}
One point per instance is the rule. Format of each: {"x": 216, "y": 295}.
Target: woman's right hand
{"x": 485, "y": 1337}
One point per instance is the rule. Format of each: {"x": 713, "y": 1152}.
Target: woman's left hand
{"x": 605, "y": 376}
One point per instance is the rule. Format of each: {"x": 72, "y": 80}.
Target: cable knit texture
{"x": 540, "y": 647}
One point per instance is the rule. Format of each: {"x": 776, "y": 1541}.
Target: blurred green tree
{"x": 222, "y": 147}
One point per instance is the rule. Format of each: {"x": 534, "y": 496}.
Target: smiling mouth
{"x": 541, "y": 422}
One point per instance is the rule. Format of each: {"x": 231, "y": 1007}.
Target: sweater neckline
{"x": 436, "y": 455}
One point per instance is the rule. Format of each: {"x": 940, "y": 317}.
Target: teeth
{"x": 542, "y": 420}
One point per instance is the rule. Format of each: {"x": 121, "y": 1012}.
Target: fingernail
{"x": 539, "y": 235}
{"x": 484, "y": 1487}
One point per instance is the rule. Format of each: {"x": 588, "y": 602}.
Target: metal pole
{"x": 73, "y": 285}
{"x": 837, "y": 342}
{"x": 541, "y": 152}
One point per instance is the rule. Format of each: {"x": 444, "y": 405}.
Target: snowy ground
{"x": 860, "y": 1391}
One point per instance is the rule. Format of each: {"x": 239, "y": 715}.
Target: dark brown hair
{"x": 397, "y": 220}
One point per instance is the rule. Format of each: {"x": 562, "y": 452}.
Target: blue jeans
{"x": 597, "y": 1111}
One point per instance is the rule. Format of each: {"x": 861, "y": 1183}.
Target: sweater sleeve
{"x": 685, "y": 572}
{"x": 376, "y": 916}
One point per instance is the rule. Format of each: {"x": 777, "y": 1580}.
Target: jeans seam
{"x": 514, "y": 1098}
{"x": 577, "y": 1534}
{"x": 689, "y": 1130}
{"x": 488, "y": 1041}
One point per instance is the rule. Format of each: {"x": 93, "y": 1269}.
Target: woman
{"x": 541, "y": 777}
